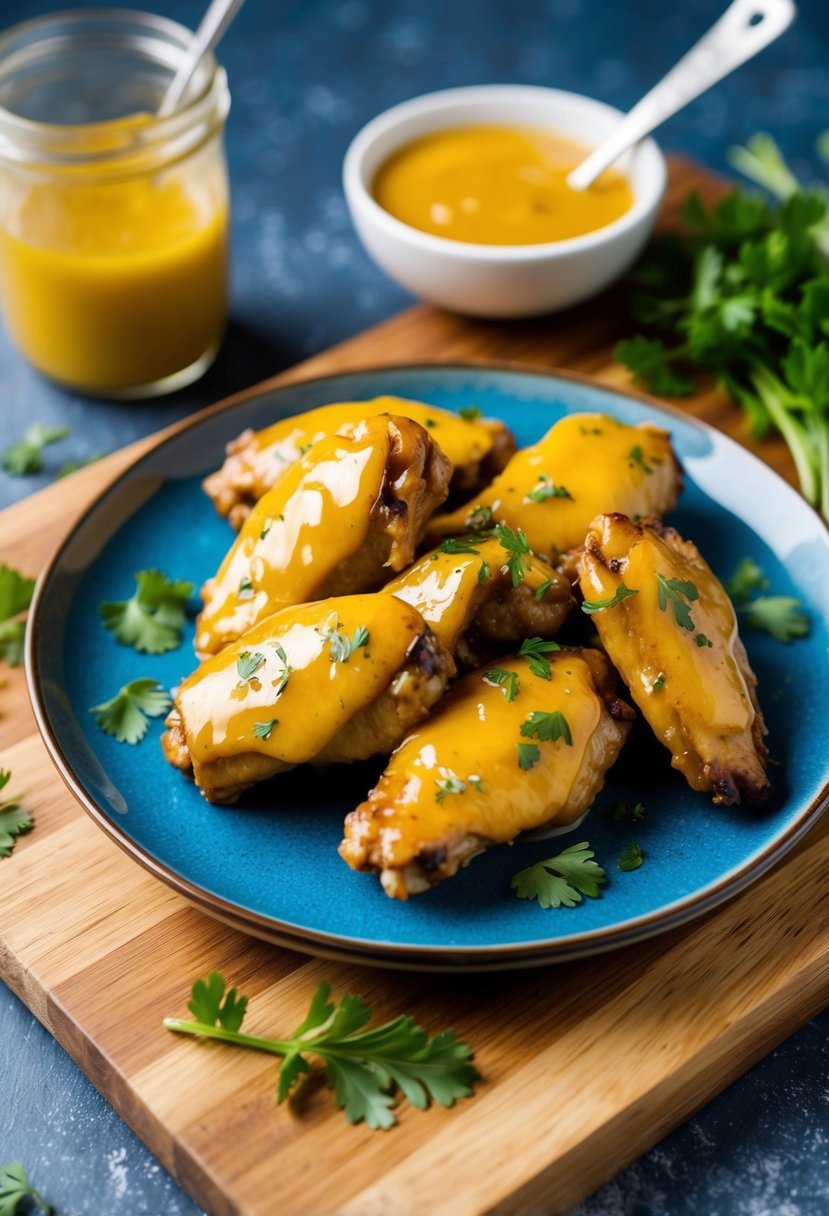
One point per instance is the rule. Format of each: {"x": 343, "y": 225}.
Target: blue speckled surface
{"x": 296, "y": 821}
{"x": 305, "y": 74}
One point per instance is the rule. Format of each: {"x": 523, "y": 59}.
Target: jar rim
{"x": 105, "y": 142}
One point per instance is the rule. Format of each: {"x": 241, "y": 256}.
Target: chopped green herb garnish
{"x": 126, "y": 715}
{"x": 548, "y": 727}
{"x": 245, "y": 591}
{"x": 430, "y": 422}
{"x": 26, "y": 456}
{"x": 469, "y": 413}
{"x": 541, "y": 591}
{"x": 342, "y": 648}
{"x": 262, "y": 730}
{"x": 546, "y": 489}
{"x": 534, "y": 650}
{"x": 305, "y": 447}
{"x": 285, "y": 674}
{"x": 479, "y": 519}
{"x": 518, "y": 547}
{"x": 529, "y": 754}
{"x": 746, "y": 580}
{"x": 659, "y": 682}
{"x": 631, "y": 858}
{"x": 152, "y": 619}
{"x": 622, "y": 593}
{"x": 14, "y": 821}
{"x": 248, "y": 663}
{"x": 625, "y": 812}
{"x": 561, "y": 881}
{"x": 780, "y": 615}
{"x": 702, "y": 640}
{"x": 365, "y": 1068}
{"x": 477, "y": 783}
{"x": 265, "y": 531}
{"x": 637, "y": 456}
{"x": 458, "y": 544}
{"x": 483, "y": 572}
{"x": 676, "y": 591}
{"x": 508, "y": 680}
{"x": 450, "y": 784}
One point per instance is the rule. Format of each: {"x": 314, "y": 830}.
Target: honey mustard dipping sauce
{"x": 493, "y": 185}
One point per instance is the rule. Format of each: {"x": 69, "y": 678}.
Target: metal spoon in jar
{"x": 746, "y": 27}
{"x": 212, "y": 27}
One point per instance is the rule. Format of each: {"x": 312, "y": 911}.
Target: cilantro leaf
{"x": 458, "y": 544}
{"x": 248, "y": 663}
{"x": 365, "y": 1067}
{"x": 679, "y": 593}
{"x": 14, "y": 821}
{"x": 622, "y": 593}
{"x": 342, "y": 647}
{"x": 15, "y": 596}
{"x": 548, "y": 727}
{"x": 631, "y": 858}
{"x": 516, "y": 545}
{"x": 529, "y": 755}
{"x": 534, "y": 650}
{"x": 152, "y": 619}
{"x": 508, "y": 680}
{"x": 561, "y": 881}
{"x": 780, "y": 615}
{"x": 26, "y": 456}
{"x": 15, "y": 1188}
{"x": 126, "y": 715}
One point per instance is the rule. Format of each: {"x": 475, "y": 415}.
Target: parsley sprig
{"x": 365, "y": 1068}
{"x": 14, "y": 821}
{"x": 545, "y": 490}
{"x": 501, "y": 678}
{"x": 26, "y": 456}
{"x": 151, "y": 621}
{"x": 534, "y": 650}
{"x": 458, "y": 544}
{"x": 679, "y": 593}
{"x": 780, "y": 615}
{"x": 15, "y": 597}
{"x": 590, "y": 607}
{"x": 548, "y": 727}
{"x": 561, "y": 881}
{"x": 126, "y": 715}
{"x": 517, "y": 548}
{"x": 15, "y": 1188}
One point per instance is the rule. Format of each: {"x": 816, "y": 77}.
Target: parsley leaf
{"x": 676, "y": 591}
{"x": 15, "y": 596}
{"x": 780, "y": 615}
{"x": 518, "y": 547}
{"x": 469, "y": 412}
{"x": 631, "y": 858}
{"x": 548, "y": 727}
{"x": 622, "y": 593}
{"x": 152, "y": 619}
{"x": 508, "y": 680}
{"x": 746, "y": 579}
{"x": 529, "y": 755}
{"x": 479, "y": 519}
{"x": 15, "y": 1188}
{"x": 561, "y": 881}
{"x": 546, "y": 489}
{"x": 248, "y": 663}
{"x": 14, "y": 821}
{"x": 450, "y": 784}
{"x": 458, "y": 544}
{"x": 637, "y": 456}
{"x": 126, "y": 715}
{"x": 544, "y": 587}
{"x": 534, "y": 650}
{"x": 365, "y": 1067}
{"x": 342, "y": 648}
{"x": 483, "y": 572}
{"x": 26, "y": 456}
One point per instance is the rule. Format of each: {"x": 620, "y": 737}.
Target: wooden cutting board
{"x": 584, "y": 1066}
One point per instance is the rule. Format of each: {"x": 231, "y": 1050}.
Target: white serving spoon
{"x": 746, "y": 27}
{"x": 213, "y": 25}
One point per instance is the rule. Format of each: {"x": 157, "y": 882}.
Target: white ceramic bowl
{"x": 500, "y": 280}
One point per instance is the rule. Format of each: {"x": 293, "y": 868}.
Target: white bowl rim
{"x": 645, "y": 198}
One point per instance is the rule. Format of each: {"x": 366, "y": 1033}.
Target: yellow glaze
{"x": 497, "y": 186}
{"x": 444, "y": 587}
{"x": 114, "y": 286}
{"x": 472, "y": 738}
{"x": 594, "y": 459}
{"x": 316, "y": 516}
{"x": 220, "y": 710}
{"x": 694, "y": 696}
{"x": 277, "y": 447}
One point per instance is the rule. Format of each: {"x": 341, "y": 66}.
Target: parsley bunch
{"x": 745, "y": 296}
{"x": 365, "y": 1068}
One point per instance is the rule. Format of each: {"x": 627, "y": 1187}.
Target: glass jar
{"x": 113, "y": 223}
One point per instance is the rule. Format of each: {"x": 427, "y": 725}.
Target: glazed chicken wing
{"x": 495, "y": 759}
{"x": 478, "y": 448}
{"x": 673, "y": 638}
{"x": 585, "y": 464}
{"x": 318, "y": 684}
{"x": 349, "y": 511}
{"x": 467, "y": 594}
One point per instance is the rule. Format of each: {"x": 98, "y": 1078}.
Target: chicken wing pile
{"x": 326, "y": 639}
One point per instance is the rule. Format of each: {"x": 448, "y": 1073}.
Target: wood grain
{"x": 584, "y": 1066}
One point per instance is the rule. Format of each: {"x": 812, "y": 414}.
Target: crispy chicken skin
{"x": 348, "y": 512}
{"x": 469, "y": 600}
{"x": 287, "y": 693}
{"x": 478, "y": 448}
{"x": 585, "y": 464}
{"x": 690, "y": 676}
{"x": 455, "y": 785}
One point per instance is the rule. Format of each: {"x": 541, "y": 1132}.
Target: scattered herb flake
{"x": 637, "y": 456}
{"x": 245, "y": 591}
{"x": 542, "y": 590}
{"x": 676, "y": 591}
{"x": 548, "y": 727}
{"x": 248, "y": 663}
{"x": 529, "y": 754}
{"x": 483, "y": 572}
{"x": 262, "y": 730}
{"x": 546, "y": 489}
{"x": 626, "y": 812}
{"x": 479, "y": 519}
{"x": 659, "y": 682}
{"x": 450, "y": 784}
{"x": 342, "y": 648}
{"x": 622, "y": 593}
{"x": 746, "y": 580}
{"x": 631, "y": 858}
{"x": 458, "y": 544}
{"x": 501, "y": 678}
{"x": 516, "y": 545}
{"x": 469, "y": 413}
{"x": 702, "y": 640}
{"x": 534, "y": 650}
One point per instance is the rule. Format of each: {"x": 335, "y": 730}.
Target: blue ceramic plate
{"x": 270, "y": 866}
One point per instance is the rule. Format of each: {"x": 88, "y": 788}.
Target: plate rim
{"x": 401, "y": 955}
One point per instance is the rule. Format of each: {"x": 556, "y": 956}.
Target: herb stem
{"x": 774, "y": 396}
{"x": 274, "y": 1047}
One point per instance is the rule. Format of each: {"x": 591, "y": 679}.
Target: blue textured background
{"x": 305, "y": 74}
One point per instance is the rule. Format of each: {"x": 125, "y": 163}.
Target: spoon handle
{"x": 213, "y": 24}
{"x": 746, "y": 27}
